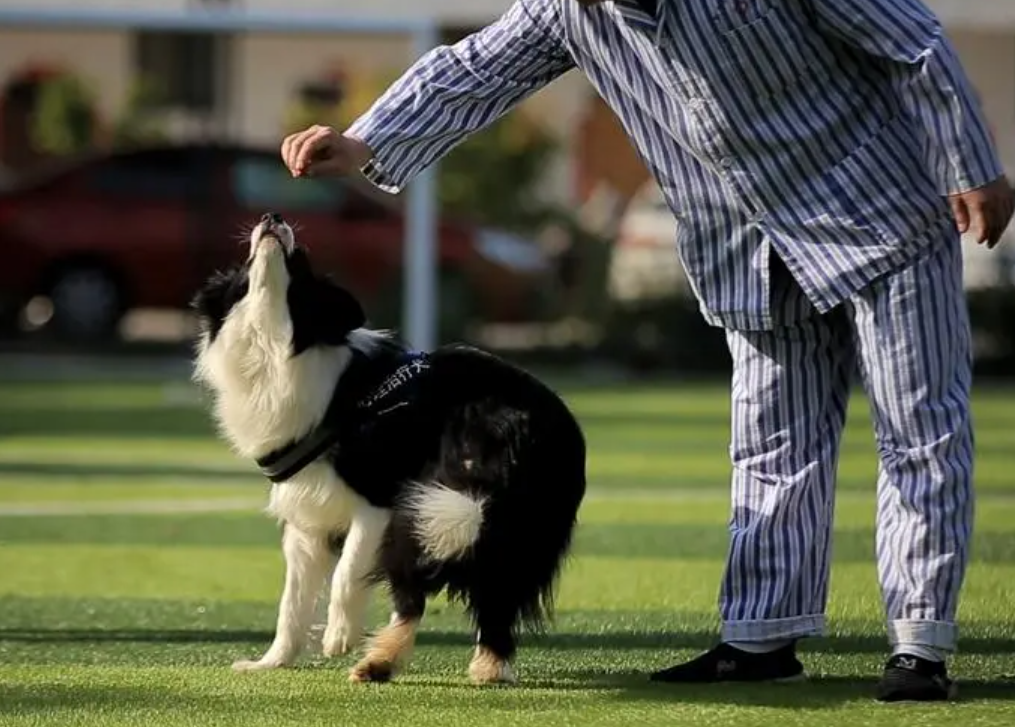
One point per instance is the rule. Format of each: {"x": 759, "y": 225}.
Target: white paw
{"x": 341, "y": 637}
{"x": 489, "y": 670}
{"x": 258, "y": 665}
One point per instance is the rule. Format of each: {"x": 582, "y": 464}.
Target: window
{"x": 163, "y": 174}
{"x": 262, "y": 183}
{"x": 184, "y": 67}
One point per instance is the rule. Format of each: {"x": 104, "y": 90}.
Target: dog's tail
{"x": 445, "y": 521}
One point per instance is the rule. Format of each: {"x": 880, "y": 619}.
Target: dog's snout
{"x": 272, "y": 227}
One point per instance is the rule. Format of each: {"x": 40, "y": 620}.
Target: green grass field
{"x": 120, "y": 606}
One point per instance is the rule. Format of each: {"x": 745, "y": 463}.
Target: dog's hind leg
{"x": 390, "y": 649}
{"x": 350, "y": 586}
{"x": 495, "y": 644}
{"x": 307, "y": 560}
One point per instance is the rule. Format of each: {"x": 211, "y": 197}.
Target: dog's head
{"x": 274, "y": 339}
{"x": 276, "y": 297}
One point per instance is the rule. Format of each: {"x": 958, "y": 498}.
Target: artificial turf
{"x": 111, "y": 617}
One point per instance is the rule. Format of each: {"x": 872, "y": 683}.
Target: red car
{"x": 144, "y": 228}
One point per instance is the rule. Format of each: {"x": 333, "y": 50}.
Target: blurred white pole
{"x": 420, "y": 310}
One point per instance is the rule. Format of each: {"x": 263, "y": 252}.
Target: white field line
{"x": 183, "y": 506}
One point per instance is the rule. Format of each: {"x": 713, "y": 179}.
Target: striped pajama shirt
{"x": 805, "y": 148}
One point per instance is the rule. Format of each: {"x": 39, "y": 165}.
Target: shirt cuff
{"x": 374, "y": 173}
{"x": 379, "y": 170}
{"x": 979, "y": 167}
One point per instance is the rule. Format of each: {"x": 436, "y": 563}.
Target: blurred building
{"x": 241, "y": 86}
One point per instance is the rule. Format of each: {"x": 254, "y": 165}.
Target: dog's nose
{"x": 271, "y": 218}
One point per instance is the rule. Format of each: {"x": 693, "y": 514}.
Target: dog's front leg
{"x": 307, "y": 560}
{"x": 349, "y": 587}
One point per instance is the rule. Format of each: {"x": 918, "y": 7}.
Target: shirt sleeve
{"x": 959, "y": 147}
{"x": 453, "y": 91}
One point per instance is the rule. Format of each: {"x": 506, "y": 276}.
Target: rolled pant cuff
{"x": 796, "y": 627}
{"x": 935, "y": 634}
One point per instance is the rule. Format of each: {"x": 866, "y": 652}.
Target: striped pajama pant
{"x": 908, "y": 337}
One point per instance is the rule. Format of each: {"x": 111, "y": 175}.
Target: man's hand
{"x": 322, "y": 151}
{"x": 985, "y": 212}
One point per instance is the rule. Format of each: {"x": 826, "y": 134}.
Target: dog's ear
{"x": 323, "y": 314}
{"x": 341, "y": 313}
{"x": 209, "y": 299}
{"x": 217, "y": 296}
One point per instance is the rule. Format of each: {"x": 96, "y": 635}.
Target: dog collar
{"x": 347, "y": 410}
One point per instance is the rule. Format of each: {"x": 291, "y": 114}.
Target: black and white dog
{"x": 428, "y": 471}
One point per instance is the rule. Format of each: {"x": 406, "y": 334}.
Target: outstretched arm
{"x": 455, "y": 90}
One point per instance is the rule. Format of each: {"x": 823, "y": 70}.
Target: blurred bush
{"x": 666, "y": 333}
{"x": 66, "y": 121}
{"x": 495, "y": 177}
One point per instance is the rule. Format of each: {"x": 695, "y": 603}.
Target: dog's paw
{"x": 370, "y": 670}
{"x": 341, "y": 638}
{"x": 258, "y": 665}
{"x": 486, "y": 668}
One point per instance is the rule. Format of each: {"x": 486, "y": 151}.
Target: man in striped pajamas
{"x": 821, "y": 158}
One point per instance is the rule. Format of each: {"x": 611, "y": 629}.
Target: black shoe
{"x": 725, "y": 663}
{"x": 910, "y": 678}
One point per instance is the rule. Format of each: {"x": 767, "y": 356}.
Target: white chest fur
{"x": 315, "y": 501}
{"x": 265, "y": 397}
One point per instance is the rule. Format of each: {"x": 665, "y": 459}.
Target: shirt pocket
{"x": 884, "y": 184}
{"x": 764, "y": 46}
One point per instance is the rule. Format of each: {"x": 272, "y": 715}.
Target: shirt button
{"x": 726, "y": 162}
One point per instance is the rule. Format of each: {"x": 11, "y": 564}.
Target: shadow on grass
{"x": 819, "y": 691}
{"x": 560, "y": 674}
{"x": 663, "y": 641}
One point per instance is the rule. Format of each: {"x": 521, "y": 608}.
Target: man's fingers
{"x": 291, "y": 147}
{"x": 287, "y": 150}
{"x": 960, "y": 212}
{"x": 984, "y": 213}
{"x": 1009, "y": 207}
{"x": 320, "y": 150}
{"x": 293, "y": 150}
{"x": 284, "y": 150}
{"x": 309, "y": 146}
{"x": 993, "y": 227}
{"x": 1000, "y": 217}
{"x": 292, "y": 161}
{"x": 979, "y": 221}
